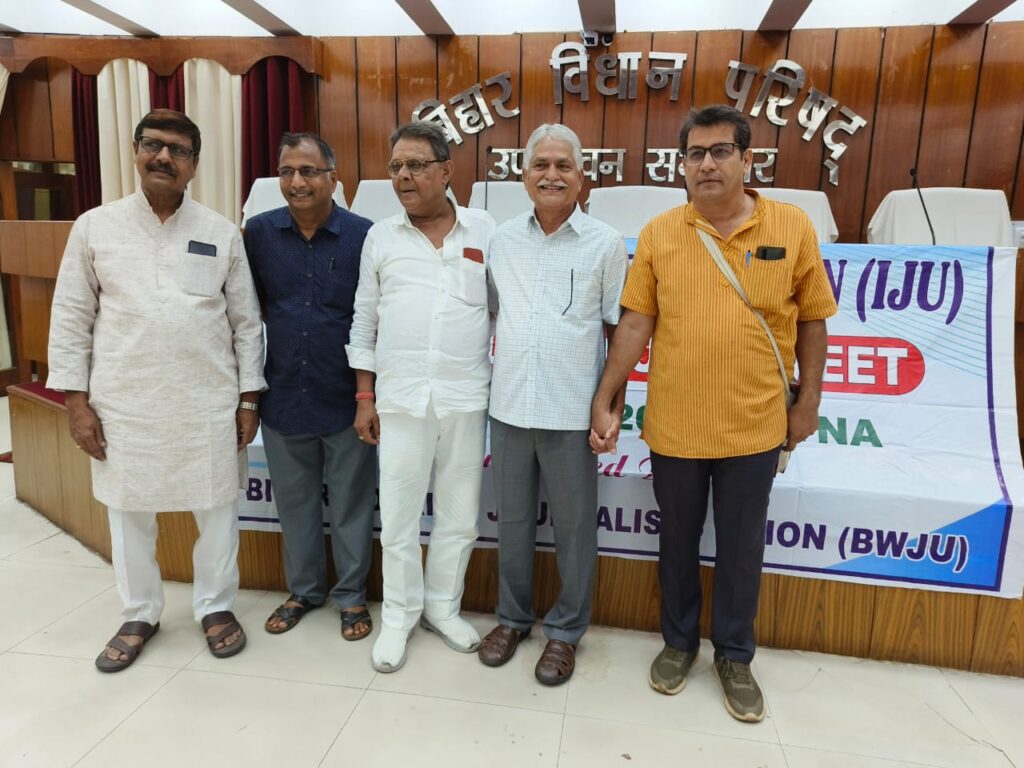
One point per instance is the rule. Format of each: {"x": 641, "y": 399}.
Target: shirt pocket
{"x": 471, "y": 283}
{"x": 769, "y": 284}
{"x": 199, "y": 275}
{"x": 574, "y": 293}
{"x": 339, "y": 290}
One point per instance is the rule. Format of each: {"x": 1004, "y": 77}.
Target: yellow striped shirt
{"x": 714, "y": 388}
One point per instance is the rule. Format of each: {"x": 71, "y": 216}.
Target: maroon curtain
{"x": 88, "y": 193}
{"x": 272, "y": 104}
{"x": 167, "y": 91}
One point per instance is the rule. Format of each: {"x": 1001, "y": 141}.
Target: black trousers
{"x": 740, "y": 487}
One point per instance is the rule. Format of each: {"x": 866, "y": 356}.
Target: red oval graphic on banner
{"x": 872, "y": 365}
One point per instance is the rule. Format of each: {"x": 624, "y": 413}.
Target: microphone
{"x": 487, "y": 173}
{"x": 917, "y": 186}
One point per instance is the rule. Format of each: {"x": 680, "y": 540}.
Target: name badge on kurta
{"x": 473, "y": 254}
{"x": 202, "y": 249}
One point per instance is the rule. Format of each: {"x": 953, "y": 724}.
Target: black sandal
{"x": 290, "y": 615}
{"x": 349, "y": 620}
{"x": 223, "y": 617}
{"x": 143, "y": 629}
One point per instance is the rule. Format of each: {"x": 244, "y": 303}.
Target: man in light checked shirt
{"x": 556, "y": 276}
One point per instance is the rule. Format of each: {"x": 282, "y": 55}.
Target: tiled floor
{"x": 309, "y": 699}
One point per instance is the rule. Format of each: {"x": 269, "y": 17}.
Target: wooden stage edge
{"x": 982, "y": 634}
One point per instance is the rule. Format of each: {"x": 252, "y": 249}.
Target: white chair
{"x": 959, "y": 217}
{"x": 812, "y": 202}
{"x": 376, "y": 199}
{"x": 504, "y": 200}
{"x": 628, "y": 209}
{"x": 265, "y": 195}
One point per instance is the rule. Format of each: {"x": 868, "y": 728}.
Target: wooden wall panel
{"x": 501, "y": 53}
{"x": 999, "y": 637}
{"x": 586, "y": 118}
{"x": 798, "y": 165}
{"x": 854, "y": 85}
{"x": 458, "y": 68}
{"x": 378, "y": 106}
{"x": 8, "y": 128}
{"x": 627, "y": 593}
{"x": 417, "y": 73}
{"x": 949, "y": 107}
{"x": 339, "y": 117}
{"x": 664, "y": 116}
{"x": 60, "y": 109}
{"x": 625, "y": 120}
{"x": 924, "y": 627}
{"x": 30, "y": 93}
{"x": 996, "y": 138}
{"x": 715, "y": 49}
{"x": 901, "y": 91}
{"x": 762, "y": 50}
{"x": 826, "y": 616}
{"x": 36, "y": 296}
{"x": 537, "y": 98}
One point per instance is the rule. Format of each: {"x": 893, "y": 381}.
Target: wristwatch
{"x": 245, "y": 405}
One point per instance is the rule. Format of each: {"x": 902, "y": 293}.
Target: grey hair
{"x": 423, "y": 130}
{"x": 558, "y": 132}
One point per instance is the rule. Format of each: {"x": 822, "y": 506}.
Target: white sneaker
{"x": 457, "y": 633}
{"x": 388, "y": 653}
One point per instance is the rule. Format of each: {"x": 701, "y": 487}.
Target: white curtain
{"x": 122, "y": 99}
{"x": 5, "y": 339}
{"x": 213, "y": 99}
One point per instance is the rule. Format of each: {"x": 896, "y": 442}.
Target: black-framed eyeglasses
{"x": 306, "y": 171}
{"x": 415, "y": 166}
{"x": 152, "y": 146}
{"x": 719, "y": 153}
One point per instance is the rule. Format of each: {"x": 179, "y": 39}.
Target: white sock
{"x": 458, "y": 630}
{"x": 389, "y": 648}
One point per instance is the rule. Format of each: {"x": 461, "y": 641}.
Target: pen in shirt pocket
{"x": 330, "y": 267}
{"x": 748, "y": 258}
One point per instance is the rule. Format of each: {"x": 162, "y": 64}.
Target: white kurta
{"x": 164, "y": 341}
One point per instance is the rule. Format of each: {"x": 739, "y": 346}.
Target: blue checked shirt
{"x": 306, "y": 290}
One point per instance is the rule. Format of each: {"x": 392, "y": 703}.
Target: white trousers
{"x": 214, "y": 562}
{"x": 409, "y": 448}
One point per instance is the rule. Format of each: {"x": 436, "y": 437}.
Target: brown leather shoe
{"x": 556, "y": 663}
{"x": 500, "y": 645}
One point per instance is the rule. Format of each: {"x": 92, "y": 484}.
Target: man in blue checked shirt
{"x": 305, "y": 262}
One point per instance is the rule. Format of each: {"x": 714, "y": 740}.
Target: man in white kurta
{"x": 156, "y": 338}
{"x": 421, "y": 330}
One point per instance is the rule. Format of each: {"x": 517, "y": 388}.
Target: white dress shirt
{"x": 421, "y": 320}
{"x": 553, "y": 294}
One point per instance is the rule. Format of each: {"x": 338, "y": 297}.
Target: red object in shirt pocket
{"x": 473, "y": 254}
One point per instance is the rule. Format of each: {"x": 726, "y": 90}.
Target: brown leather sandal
{"x": 500, "y": 645}
{"x": 223, "y": 617}
{"x": 143, "y": 629}
{"x": 557, "y": 663}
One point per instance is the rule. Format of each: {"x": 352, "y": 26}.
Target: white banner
{"x": 911, "y": 478}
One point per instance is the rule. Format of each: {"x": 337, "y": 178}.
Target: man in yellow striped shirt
{"x": 716, "y": 405}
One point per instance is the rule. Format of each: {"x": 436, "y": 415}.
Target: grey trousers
{"x": 520, "y": 457}
{"x": 300, "y": 466}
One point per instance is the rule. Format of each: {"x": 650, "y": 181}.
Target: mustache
{"x": 161, "y": 167}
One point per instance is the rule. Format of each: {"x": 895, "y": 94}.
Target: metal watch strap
{"x": 245, "y": 405}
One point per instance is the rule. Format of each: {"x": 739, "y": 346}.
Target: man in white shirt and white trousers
{"x": 558, "y": 276}
{"x": 155, "y": 336}
{"x": 419, "y": 348}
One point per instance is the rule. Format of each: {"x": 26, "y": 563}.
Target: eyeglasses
{"x": 719, "y": 153}
{"x": 152, "y": 146}
{"x": 415, "y": 166}
{"x": 306, "y": 171}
